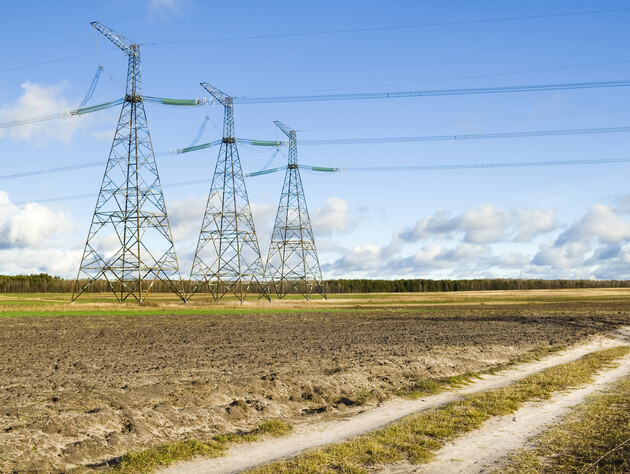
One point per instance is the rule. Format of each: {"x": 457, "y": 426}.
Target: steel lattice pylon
{"x": 227, "y": 258}
{"x": 292, "y": 263}
{"x": 129, "y": 243}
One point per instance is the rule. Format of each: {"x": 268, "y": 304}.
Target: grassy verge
{"x": 593, "y": 438}
{"x": 126, "y": 311}
{"x": 431, "y": 386}
{"x": 416, "y": 438}
{"x": 149, "y": 460}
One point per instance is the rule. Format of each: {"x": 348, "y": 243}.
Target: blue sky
{"x": 549, "y": 222}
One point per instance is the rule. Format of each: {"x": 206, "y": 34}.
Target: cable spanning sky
{"x": 530, "y": 204}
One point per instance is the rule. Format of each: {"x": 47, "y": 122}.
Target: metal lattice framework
{"x": 130, "y": 243}
{"x": 227, "y": 258}
{"x": 292, "y": 263}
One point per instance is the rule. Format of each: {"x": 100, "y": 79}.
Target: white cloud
{"x": 605, "y": 252}
{"x": 103, "y": 135}
{"x": 558, "y": 257}
{"x": 40, "y": 100}
{"x": 622, "y": 204}
{"x": 376, "y": 260}
{"x": 185, "y": 217}
{"x": 483, "y": 225}
{"x": 263, "y": 214}
{"x": 439, "y": 224}
{"x": 34, "y": 239}
{"x": 487, "y": 241}
{"x": 165, "y": 9}
{"x": 531, "y": 222}
{"x": 511, "y": 260}
{"x": 64, "y": 263}
{"x": 30, "y": 225}
{"x": 359, "y": 258}
{"x": 602, "y": 223}
{"x": 435, "y": 256}
{"x": 331, "y": 217}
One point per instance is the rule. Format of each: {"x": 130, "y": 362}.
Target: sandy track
{"x": 482, "y": 449}
{"x": 317, "y": 434}
{"x": 86, "y": 389}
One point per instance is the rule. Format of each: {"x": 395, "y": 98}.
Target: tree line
{"x": 482, "y": 284}
{"x": 44, "y": 283}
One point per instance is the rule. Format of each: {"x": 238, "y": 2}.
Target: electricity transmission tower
{"x": 292, "y": 263}
{"x": 129, "y": 243}
{"x": 227, "y": 258}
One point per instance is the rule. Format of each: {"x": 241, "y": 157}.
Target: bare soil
{"x": 81, "y": 390}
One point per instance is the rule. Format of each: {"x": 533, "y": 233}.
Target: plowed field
{"x": 82, "y": 389}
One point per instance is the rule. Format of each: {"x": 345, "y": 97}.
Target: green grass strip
{"x": 416, "y": 438}
{"x": 149, "y": 460}
{"x": 87, "y": 312}
{"x": 595, "y": 437}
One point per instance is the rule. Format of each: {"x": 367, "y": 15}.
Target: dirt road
{"x": 80, "y": 390}
{"x": 467, "y": 454}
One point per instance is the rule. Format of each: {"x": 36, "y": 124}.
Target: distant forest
{"x": 44, "y": 283}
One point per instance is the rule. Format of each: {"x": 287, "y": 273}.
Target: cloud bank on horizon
{"x": 483, "y": 242}
{"x": 490, "y": 242}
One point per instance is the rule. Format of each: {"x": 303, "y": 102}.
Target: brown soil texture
{"x": 81, "y": 390}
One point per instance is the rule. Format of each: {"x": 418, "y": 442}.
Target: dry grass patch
{"x": 416, "y": 438}
{"x": 149, "y": 460}
{"x": 593, "y": 438}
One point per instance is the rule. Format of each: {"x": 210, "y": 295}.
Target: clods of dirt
{"x": 81, "y": 390}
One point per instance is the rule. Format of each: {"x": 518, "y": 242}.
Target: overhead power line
{"x": 60, "y": 115}
{"x": 99, "y": 107}
{"x": 470, "y": 120}
{"x": 329, "y": 97}
{"x": 432, "y": 93}
{"x": 330, "y": 32}
{"x": 390, "y": 28}
{"x": 51, "y": 61}
{"x": 52, "y": 170}
{"x": 423, "y": 138}
{"x": 462, "y": 166}
{"x": 475, "y": 136}
{"x": 340, "y": 141}
{"x": 472, "y": 76}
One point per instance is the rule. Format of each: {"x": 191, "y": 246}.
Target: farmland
{"x": 82, "y": 384}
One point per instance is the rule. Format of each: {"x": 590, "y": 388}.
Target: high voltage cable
{"x": 475, "y": 76}
{"x": 331, "y": 97}
{"x": 41, "y": 63}
{"x": 476, "y": 136}
{"x": 92, "y": 88}
{"x": 476, "y": 120}
{"x": 71, "y": 113}
{"x": 182, "y": 102}
{"x": 454, "y": 137}
{"x": 319, "y": 169}
{"x": 319, "y": 33}
{"x": 386, "y": 28}
{"x": 523, "y": 164}
{"x": 342, "y": 141}
{"x": 52, "y": 170}
{"x": 432, "y": 93}
{"x": 99, "y": 107}
{"x": 84, "y": 196}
